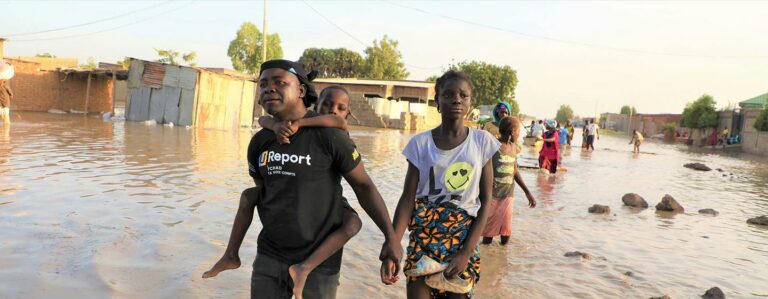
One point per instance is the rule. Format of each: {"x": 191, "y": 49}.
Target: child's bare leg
{"x": 418, "y": 289}
{"x": 243, "y": 218}
{"x": 349, "y": 228}
{"x": 487, "y": 240}
{"x": 504, "y": 240}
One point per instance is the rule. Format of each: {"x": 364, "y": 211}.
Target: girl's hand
{"x": 531, "y": 200}
{"x": 286, "y": 128}
{"x": 458, "y": 264}
{"x": 388, "y": 267}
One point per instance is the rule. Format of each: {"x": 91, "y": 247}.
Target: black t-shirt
{"x": 301, "y": 202}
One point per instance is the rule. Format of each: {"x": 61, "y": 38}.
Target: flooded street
{"x": 95, "y": 209}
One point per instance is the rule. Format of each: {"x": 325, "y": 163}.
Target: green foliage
{"x": 45, "y": 55}
{"x": 333, "y": 63}
{"x": 125, "y": 63}
{"x": 90, "y": 64}
{"x": 700, "y": 114}
{"x": 669, "y": 128}
{"x": 432, "y": 78}
{"x": 491, "y": 83}
{"x": 564, "y": 114}
{"x": 628, "y": 110}
{"x": 383, "y": 61}
{"x": 189, "y": 58}
{"x": 761, "y": 123}
{"x": 172, "y": 57}
{"x": 245, "y": 50}
{"x": 515, "y": 107}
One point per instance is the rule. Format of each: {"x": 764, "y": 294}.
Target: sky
{"x": 593, "y": 56}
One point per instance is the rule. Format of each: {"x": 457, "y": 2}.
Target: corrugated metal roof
{"x": 153, "y": 75}
{"x": 758, "y": 101}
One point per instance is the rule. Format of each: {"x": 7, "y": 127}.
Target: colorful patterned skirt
{"x": 438, "y": 231}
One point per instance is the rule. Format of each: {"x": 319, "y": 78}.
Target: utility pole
{"x": 629, "y": 127}
{"x": 264, "y": 35}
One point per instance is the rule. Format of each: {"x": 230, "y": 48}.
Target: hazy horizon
{"x": 594, "y": 56}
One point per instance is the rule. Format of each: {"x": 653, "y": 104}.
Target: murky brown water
{"x": 98, "y": 209}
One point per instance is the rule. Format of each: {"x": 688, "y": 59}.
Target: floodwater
{"x": 95, "y": 209}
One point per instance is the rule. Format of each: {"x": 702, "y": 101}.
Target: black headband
{"x": 301, "y": 72}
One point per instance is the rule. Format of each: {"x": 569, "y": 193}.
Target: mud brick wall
{"x": 36, "y": 90}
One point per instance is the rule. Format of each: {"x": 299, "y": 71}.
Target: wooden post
{"x": 114, "y": 90}
{"x": 87, "y": 94}
{"x": 264, "y": 35}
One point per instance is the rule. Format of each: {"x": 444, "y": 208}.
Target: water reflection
{"x": 100, "y": 209}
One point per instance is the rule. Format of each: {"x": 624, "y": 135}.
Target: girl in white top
{"x": 444, "y": 203}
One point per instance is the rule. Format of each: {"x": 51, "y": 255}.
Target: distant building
{"x": 757, "y": 102}
{"x": 49, "y": 63}
{"x": 190, "y": 96}
{"x": 66, "y": 89}
{"x": 411, "y": 91}
{"x": 653, "y": 124}
{"x": 614, "y": 121}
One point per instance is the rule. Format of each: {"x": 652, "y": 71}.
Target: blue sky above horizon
{"x": 669, "y": 52}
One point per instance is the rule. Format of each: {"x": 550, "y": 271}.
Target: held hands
{"x": 284, "y": 130}
{"x": 391, "y": 254}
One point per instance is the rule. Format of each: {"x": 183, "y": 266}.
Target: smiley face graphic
{"x": 457, "y": 176}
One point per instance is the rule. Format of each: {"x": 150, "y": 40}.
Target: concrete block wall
{"x": 753, "y": 141}
{"x": 364, "y": 113}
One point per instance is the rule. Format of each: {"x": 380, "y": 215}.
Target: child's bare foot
{"x": 225, "y": 263}
{"x": 299, "y": 275}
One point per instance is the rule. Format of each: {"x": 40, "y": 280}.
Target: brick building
{"x": 653, "y": 124}
{"x": 39, "y": 89}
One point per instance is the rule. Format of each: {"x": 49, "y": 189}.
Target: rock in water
{"x": 580, "y": 254}
{"x": 713, "y": 293}
{"x": 598, "y": 209}
{"x": 56, "y": 111}
{"x": 669, "y": 204}
{"x": 634, "y": 200}
{"x": 661, "y": 297}
{"x": 709, "y": 211}
{"x": 698, "y": 166}
{"x": 762, "y": 220}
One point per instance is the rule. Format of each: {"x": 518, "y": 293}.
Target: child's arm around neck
{"x": 326, "y": 121}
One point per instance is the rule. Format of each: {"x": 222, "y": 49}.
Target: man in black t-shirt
{"x": 300, "y": 199}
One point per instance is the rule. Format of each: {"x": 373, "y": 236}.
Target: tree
{"x": 565, "y": 113}
{"x": 700, "y": 114}
{"x": 383, "y": 61}
{"x": 245, "y": 50}
{"x": 628, "y": 110}
{"x": 515, "y": 107}
{"x": 432, "y": 78}
{"x": 761, "y": 123}
{"x": 125, "y": 63}
{"x": 45, "y": 55}
{"x": 333, "y": 63}
{"x": 491, "y": 83}
{"x": 171, "y": 57}
{"x": 90, "y": 64}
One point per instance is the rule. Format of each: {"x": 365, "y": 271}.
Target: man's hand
{"x": 458, "y": 264}
{"x": 390, "y": 256}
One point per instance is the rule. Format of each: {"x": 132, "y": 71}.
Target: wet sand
{"x": 94, "y": 209}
